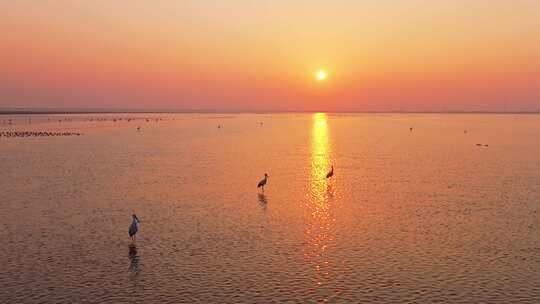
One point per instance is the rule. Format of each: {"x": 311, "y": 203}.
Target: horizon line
{"x": 37, "y": 111}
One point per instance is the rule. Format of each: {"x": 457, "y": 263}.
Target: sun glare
{"x": 321, "y": 75}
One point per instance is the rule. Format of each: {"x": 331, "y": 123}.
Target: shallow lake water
{"x": 447, "y": 212}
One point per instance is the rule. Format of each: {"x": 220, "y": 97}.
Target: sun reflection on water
{"x": 318, "y": 203}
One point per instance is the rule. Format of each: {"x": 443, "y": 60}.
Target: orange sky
{"x": 262, "y": 55}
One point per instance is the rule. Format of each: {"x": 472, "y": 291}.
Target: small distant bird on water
{"x": 330, "y": 173}
{"x": 410, "y": 129}
{"x": 134, "y": 227}
{"x": 263, "y": 181}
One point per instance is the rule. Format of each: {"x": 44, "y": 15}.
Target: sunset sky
{"x": 267, "y": 55}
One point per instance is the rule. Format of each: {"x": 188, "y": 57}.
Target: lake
{"x": 447, "y": 212}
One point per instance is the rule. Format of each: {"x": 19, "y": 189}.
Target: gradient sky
{"x": 262, "y": 55}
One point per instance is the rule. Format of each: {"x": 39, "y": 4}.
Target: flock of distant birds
{"x": 37, "y": 134}
{"x": 34, "y": 133}
{"x": 13, "y": 134}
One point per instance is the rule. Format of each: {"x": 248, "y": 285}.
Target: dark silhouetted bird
{"x": 263, "y": 181}
{"x": 331, "y": 173}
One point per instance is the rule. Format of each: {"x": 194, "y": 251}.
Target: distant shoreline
{"x": 150, "y": 111}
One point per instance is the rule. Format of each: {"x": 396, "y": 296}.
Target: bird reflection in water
{"x": 329, "y": 190}
{"x": 319, "y": 232}
{"x": 261, "y": 198}
{"x": 133, "y": 259}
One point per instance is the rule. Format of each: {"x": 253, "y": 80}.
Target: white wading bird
{"x": 134, "y": 227}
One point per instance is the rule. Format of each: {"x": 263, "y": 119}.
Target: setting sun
{"x": 321, "y": 75}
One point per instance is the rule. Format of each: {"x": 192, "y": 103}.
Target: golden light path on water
{"x": 318, "y": 203}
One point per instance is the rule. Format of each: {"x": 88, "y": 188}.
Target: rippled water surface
{"x": 409, "y": 216}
